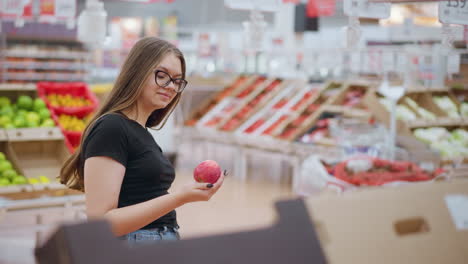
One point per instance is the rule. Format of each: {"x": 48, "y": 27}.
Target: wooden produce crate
{"x": 306, "y": 110}
{"x": 229, "y": 105}
{"x": 277, "y": 111}
{"x": 317, "y": 131}
{"x": 254, "y": 104}
{"x": 10, "y": 156}
{"x": 39, "y": 158}
{"x": 21, "y": 134}
{"x": 351, "y": 96}
{"x": 382, "y": 114}
{"x": 238, "y": 84}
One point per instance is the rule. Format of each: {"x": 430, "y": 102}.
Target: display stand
{"x": 292, "y": 239}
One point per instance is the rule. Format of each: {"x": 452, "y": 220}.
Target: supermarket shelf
{"x": 39, "y": 133}
{"x": 42, "y": 78}
{"x": 46, "y": 55}
{"x": 17, "y": 87}
{"x": 47, "y": 68}
{"x": 441, "y": 122}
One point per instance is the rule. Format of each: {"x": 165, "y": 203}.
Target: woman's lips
{"x": 165, "y": 96}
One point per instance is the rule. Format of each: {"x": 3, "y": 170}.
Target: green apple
{"x": 9, "y": 174}
{"x": 38, "y": 104}
{"x": 33, "y": 117}
{"x": 19, "y": 180}
{"x": 4, "y": 120}
{"x": 4, "y": 101}
{"x": 7, "y": 111}
{"x": 25, "y": 102}
{"x": 9, "y": 126}
{"x": 48, "y": 123}
{"x": 5, "y": 165}
{"x": 4, "y": 182}
{"x": 44, "y": 113}
{"x": 2, "y": 156}
{"x": 19, "y": 122}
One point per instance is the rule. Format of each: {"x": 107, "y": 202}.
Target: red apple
{"x": 208, "y": 171}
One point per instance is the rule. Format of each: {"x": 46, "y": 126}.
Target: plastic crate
{"x": 78, "y": 89}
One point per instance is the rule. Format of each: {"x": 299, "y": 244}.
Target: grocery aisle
{"x": 237, "y": 206}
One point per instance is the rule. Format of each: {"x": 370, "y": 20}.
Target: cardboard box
{"x": 414, "y": 224}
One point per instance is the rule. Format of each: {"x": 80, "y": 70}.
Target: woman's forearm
{"x": 131, "y": 218}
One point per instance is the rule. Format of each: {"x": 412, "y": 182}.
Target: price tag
{"x": 65, "y": 8}
{"x": 453, "y": 12}
{"x": 364, "y": 8}
{"x": 453, "y": 63}
{"x": 260, "y": 5}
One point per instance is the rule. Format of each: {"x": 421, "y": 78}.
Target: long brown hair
{"x": 145, "y": 55}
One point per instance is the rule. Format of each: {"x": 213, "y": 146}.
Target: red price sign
{"x": 318, "y": 8}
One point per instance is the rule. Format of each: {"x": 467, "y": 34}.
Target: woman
{"x": 119, "y": 165}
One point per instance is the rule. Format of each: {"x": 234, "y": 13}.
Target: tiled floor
{"x": 235, "y": 207}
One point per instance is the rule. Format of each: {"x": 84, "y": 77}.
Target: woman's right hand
{"x": 195, "y": 191}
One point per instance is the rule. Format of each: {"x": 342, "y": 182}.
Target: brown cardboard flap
{"x": 408, "y": 224}
{"x": 37, "y": 158}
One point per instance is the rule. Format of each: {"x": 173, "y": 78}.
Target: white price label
{"x": 453, "y": 12}
{"x": 12, "y": 7}
{"x": 260, "y": 5}
{"x": 453, "y": 63}
{"x": 364, "y": 8}
{"x": 65, "y": 8}
{"x": 458, "y": 207}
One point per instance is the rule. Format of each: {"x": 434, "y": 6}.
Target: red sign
{"x": 318, "y": 8}
{"x": 47, "y": 7}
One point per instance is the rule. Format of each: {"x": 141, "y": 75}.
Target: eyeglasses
{"x": 163, "y": 79}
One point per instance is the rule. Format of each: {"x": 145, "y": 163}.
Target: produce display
{"x": 402, "y": 111}
{"x": 26, "y": 112}
{"x": 250, "y": 107}
{"x": 450, "y": 144}
{"x": 353, "y": 96}
{"x": 8, "y": 175}
{"x": 374, "y": 172}
{"x": 73, "y": 123}
{"x": 71, "y": 105}
{"x": 229, "y": 105}
{"x": 276, "y": 114}
{"x": 211, "y": 102}
{"x": 67, "y": 100}
{"x": 448, "y": 105}
{"x": 306, "y": 108}
{"x": 319, "y": 131}
{"x": 423, "y": 113}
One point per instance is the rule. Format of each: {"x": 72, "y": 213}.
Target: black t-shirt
{"x": 148, "y": 174}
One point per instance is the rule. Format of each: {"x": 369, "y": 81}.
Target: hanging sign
{"x": 453, "y": 12}
{"x": 364, "y": 8}
{"x": 16, "y": 8}
{"x": 320, "y": 8}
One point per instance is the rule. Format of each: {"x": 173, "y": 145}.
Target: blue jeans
{"x": 154, "y": 235}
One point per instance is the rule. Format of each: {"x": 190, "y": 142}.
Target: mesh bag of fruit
{"x": 368, "y": 171}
